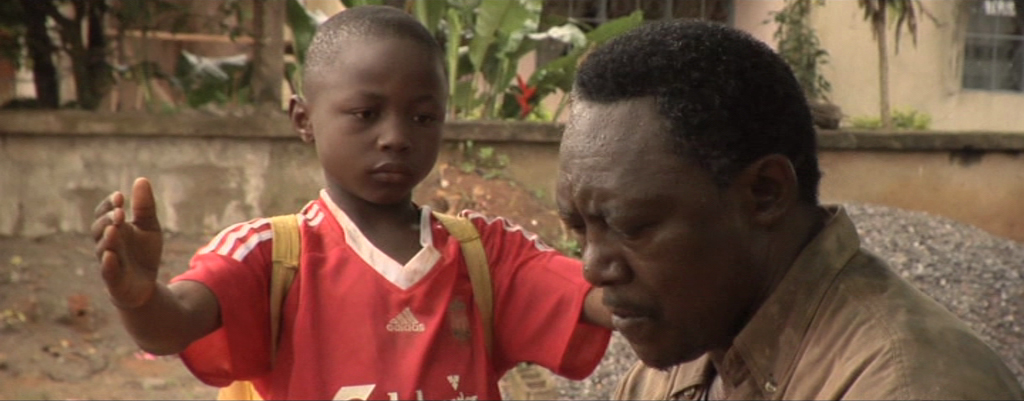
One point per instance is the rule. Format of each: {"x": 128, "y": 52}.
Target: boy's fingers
{"x": 110, "y": 267}
{"x": 144, "y": 206}
{"x": 106, "y": 205}
{"x": 112, "y": 218}
{"x": 113, "y": 257}
{"x": 104, "y": 214}
{"x": 106, "y": 241}
{"x": 98, "y": 226}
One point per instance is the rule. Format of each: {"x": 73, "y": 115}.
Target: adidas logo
{"x": 405, "y": 321}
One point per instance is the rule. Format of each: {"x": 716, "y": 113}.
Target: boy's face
{"x": 376, "y": 118}
{"x": 664, "y": 241}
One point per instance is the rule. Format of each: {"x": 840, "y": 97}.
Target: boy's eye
{"x": 424, "y": 118}
{"x": 365, "y": 114}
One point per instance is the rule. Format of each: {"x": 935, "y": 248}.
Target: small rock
{"x": 80, "y": 312}
{"x": 153, "y": 383}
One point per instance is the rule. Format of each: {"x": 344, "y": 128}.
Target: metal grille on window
{"x": 994, "y": 50}
{"x": 596, "y": 12}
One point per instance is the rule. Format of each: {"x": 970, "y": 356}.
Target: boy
{"x": 382, "y": 306}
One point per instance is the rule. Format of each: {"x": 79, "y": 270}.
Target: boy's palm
{"x": 129, "y": 251}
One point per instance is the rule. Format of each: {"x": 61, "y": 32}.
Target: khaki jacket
{"x": 841, "y": 325}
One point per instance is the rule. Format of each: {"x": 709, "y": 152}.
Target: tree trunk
{"x": 40, "y": 51}
{"x": 878, "y": 23}
{"x": 97, "y": 70}
{"x": 88, "y": 53}
{"x": 268, "y": 52}
{"x": 74, "y": 45}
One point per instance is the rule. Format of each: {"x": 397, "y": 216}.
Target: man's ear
{"x": 770, "y": 188}
{"x": 299, "y": 114}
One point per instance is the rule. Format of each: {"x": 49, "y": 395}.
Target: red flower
{"x": 524, "y": 96}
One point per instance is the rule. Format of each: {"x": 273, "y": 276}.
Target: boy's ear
{"x": 299, "y": 114}
{"x": 770, "y": 188}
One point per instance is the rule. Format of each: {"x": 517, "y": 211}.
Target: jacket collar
{"x": 767, "y": 346}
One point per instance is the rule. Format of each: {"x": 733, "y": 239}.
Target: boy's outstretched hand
{"x": 129, "y": 251}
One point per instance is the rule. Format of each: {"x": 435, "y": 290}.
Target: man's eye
{"x": 632, "y": 231}
{"x": 575, "y": 226}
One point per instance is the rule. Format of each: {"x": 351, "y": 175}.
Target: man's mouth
{"x": 634, "y": 323}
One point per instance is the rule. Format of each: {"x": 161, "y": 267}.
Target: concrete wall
{"x": 985, "y": 189}
{"x": 210, "y": 171}
{"x": 755, "y": 17}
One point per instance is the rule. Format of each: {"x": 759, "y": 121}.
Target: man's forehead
{"x": 623, "y": 129}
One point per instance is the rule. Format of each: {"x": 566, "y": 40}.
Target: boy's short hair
{"x": 728, "y": 97}
{"x": 374, "y": 22}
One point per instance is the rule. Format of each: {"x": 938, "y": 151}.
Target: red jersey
{"x": 350, "y": 332}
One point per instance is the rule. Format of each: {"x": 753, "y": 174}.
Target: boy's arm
{"x": 174, "y": 317}
{"x": 594, "y": 311}
{"x": 161, "y": 319}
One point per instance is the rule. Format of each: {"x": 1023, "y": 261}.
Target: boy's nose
{"x": 394, "y": 137}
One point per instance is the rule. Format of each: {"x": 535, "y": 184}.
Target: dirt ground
{"x": 60, "y": 339}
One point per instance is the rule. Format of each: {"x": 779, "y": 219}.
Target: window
{"x": 597, "y": 12}
{"x": 994, "y": 51}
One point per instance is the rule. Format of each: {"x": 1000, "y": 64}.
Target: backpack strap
{"x": 479, "y": 271}
{"x": 287, "y": 248}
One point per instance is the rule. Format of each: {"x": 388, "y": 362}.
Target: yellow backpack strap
{"x": 287, "y": 247}
{"x": 479, "y": 271}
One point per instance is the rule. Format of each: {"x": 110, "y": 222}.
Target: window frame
{"x": 987, "y": 36}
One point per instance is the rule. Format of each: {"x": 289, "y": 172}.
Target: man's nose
{"x": 602, "y": 265}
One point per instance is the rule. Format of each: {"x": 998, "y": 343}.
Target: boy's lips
{"x": 391, "y": 172}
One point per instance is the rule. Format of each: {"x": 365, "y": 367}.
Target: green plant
{"x": 12, "y": 31}
{"x": 558, "y": 74}
{"x": 911, "y": 119}
{"x": 901, "y": 119}
{"x": 143, "y": 18}
{"x": 877, "y": 12}
{"x": 484, "y": 41}
{"x": 78, "y": 30}
{"x": 570, "y": 247}
{"x": 483, "y": 160}
{"x": 303, "y": 25}
{"x": 798, "y": 44}
{"x": 47, "y": 28}
{"x": 206, "y": 80}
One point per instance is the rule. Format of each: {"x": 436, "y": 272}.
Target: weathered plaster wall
{"x": 984, "y": 189}
{"x": 927, "y": 77}
{"x": 209, "y": 171}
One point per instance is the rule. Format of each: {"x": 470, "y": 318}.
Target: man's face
{"x": 667, "y": 245}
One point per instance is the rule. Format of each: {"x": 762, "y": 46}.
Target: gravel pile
{"x": 977, "y": 276}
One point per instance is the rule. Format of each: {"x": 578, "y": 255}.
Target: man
{"x": 689, "y": 171}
